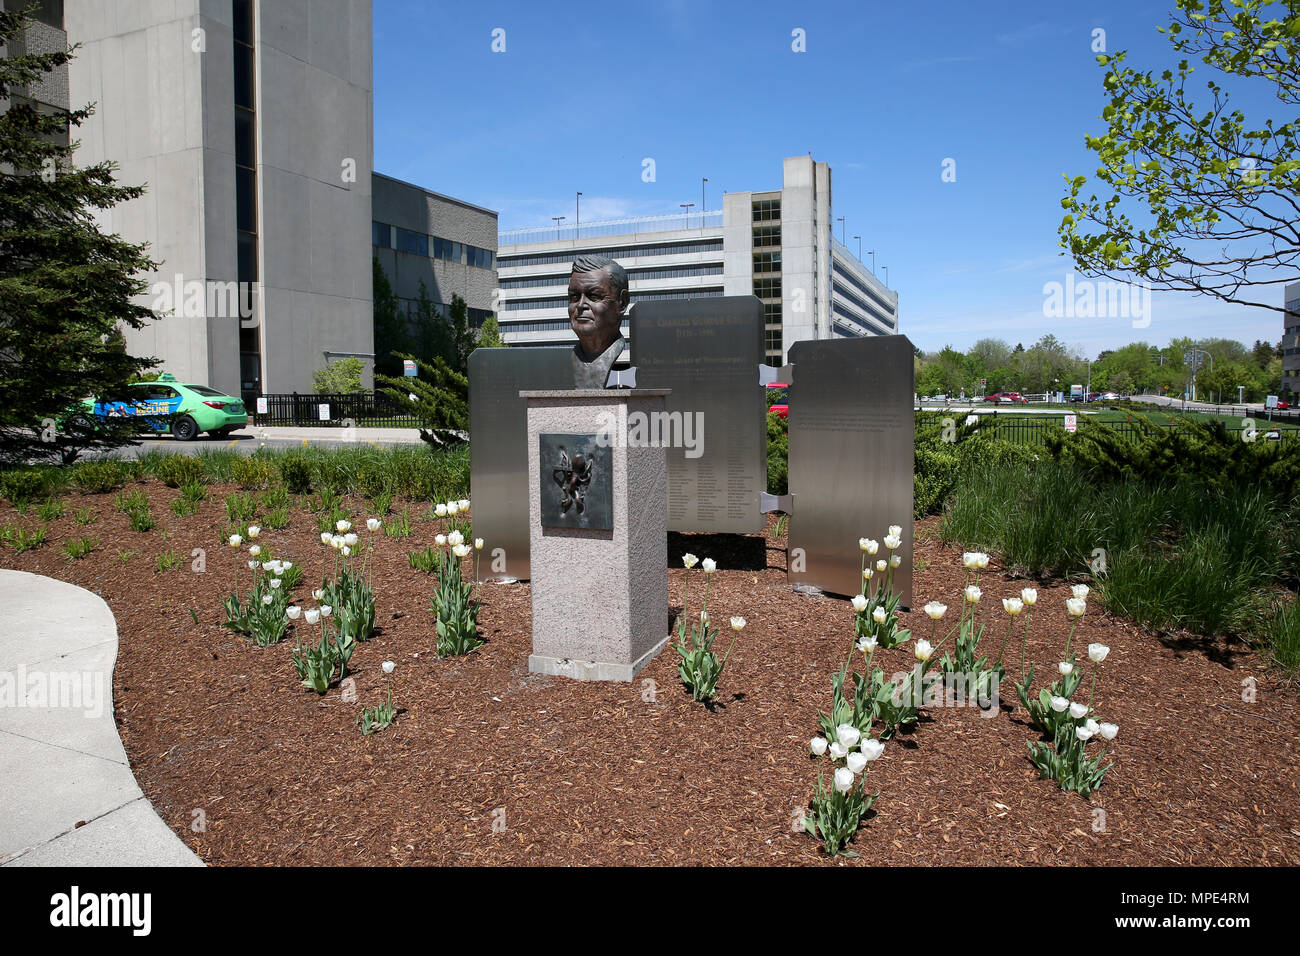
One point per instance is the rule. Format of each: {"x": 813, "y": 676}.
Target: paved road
{"x": 249, "y": 440}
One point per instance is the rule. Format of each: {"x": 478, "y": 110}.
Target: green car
{"x": 169, "y": 405}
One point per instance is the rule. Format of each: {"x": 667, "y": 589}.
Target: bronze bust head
{"x": 598, "y": 297}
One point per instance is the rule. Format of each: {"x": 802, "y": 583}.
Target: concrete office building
{"x": 45, "y": 35}
{"x": 250, "y": 121}
{"x": 420, "y": 236}
{"x": 1291, "y": 343}
{"x": 777, "y": 245}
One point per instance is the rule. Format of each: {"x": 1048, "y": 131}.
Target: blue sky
{"x": 884, "y": 93}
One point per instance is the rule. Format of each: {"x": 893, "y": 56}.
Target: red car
{"x": 778, "y": 399}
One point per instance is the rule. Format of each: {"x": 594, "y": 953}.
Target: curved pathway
{"x": 67, "y": 794}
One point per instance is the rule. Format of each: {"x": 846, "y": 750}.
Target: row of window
{"x": 672, "y": 272}
{"x": 863, "y": 287}
{"x": 772, "y": 340}
{"x": 767, "y": 210}
{"x": 880, "y": 315}
{"x": 519, "y": 305}
{"x": 668, "y": 249}
{"x": 434, "y": 247}
{"x": 871, "y": 324}
{"x": 411, "y": 309}
{"x": 767, "y": 288}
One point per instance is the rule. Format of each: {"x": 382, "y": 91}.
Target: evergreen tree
{"x": 391, "y": 332}
{"x": 489, "y": 334}
{"x": 438, "y": 397}
{"x": 66, "y": 289}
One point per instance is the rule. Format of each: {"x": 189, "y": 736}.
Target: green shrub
{"x": 177, "y": 470}
{"x": 77, "y": 548}
{"x": 295, "y": 471}
{"x": 99, "y": 477}
{"x": 1281, "y": 638}
{"x": 778, "y": 455}
{"x": 254, "y": 471}
{"x": 22, "y": 487}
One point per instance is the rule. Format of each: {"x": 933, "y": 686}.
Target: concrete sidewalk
{"x": 67, "y": 794}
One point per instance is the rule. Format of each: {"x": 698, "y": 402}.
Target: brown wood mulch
{"x": 488, "y": 764}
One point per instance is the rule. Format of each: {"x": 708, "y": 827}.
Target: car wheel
{"x": 185, "y": 429}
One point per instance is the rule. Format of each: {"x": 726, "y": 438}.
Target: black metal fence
{"x": 331, "y": 410}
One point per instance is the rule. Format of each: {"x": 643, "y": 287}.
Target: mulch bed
{"x": 488, "y": 764}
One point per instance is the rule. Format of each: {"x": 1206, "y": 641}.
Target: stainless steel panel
{"x": 708, "y": 352}
{"x": 851, "y": 448}
{"x": 498, "y": 448}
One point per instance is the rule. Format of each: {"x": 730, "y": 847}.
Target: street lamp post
{"x": 872, "y": 253}
{"x": 686, "y": 211}
{"x": 859, "y": 238}
{"x": 557, "y": 220}
{"x": 703, "y": 180}
{"x": 577, "y": 215}
{"x": 843, "y": 227}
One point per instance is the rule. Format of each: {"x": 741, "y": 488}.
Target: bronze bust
{"x": 598, "y": 297}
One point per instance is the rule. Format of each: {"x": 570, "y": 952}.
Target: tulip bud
{"x": 1097, "y": 652}
{"x": 818, "y": 745}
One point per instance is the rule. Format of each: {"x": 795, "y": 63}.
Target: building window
{"x": 767, "y": 288}
{"x": 767, "y": 210}
{"x": 767, "y": 236}
{"x": 767, "y": 262}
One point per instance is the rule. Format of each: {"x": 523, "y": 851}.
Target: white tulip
{"x": 936, "y": 610}
{"x": 973, "y": 594}
{"x": 254, "y": 531}
{"x": 863, "y": 542}
{"x": 896, "y": 530}
{"x": 1076, "y": 606}
{"x": 848, "y": 735}
{"x": 690, "y": 560}
{"x": 872, "y": 749}
{"x": 350, "y": 539}
{"x": 318, "y": 594}
{"x": 871, "y": 547}
{"x": 463, "y": 504}
{"x": 1013, "y": 606}
{"x": 287, "y": 565}
{"x": 1078, "y": 710}
{"x": 461, "y": 550}
{"x": 293, "y": 612}
{"x": 453, "y": 508}
{"x": 266, "y": 599}
{"x": 268, "y": 565}
{"x": 895, "y": 560}
{"x": 857, "y": 761}
{"x": 818, "y": 745}
{"x": 981, "y": 560}
{"x": 1065, "y": 667}
{"x": 252, "y": 565}
{"x": 704, "y": 617}
{"x": 1107, "y": 731}
{"x": 373, "y": 524}
{"x": 737, "y": 623}
{"x": 343, "y": 526}
{"x": 867, "y": 573}
{"x": 326, "y": 610}
{"x": 478, "y": 544}
{"x": 1097, "y": 652}
{"x": 254, "y": 549}
{"x": 881, "y": 565}
{"x": 838, "y": 750}
{"x": 709, "y": 565}
{"x": 325, "y": 537}
{"x": 868, "y": 644}
{"x": 1059, "y": 704}
{"x": 388, "y": 667}
{"x": 440, "y": 540}
{"x": 923, "y": 650}
{"x": 312, "y": 615}
{"x": 440, "y": 510}
{"x": 892, "y": 541}
{"x": 346, "y": 550}
{"x": 1080, "y": 591}
{"x": 859, "y": 603}
{"x": 336, "y": 541}
{"x": 968, "y": 560}
{"x": 1092, "y": 725}
{"x": 455, "y": 538}
{"x": 880, "y": 615}
{"x": 1029, "y": 596}
{"x": 843, "y": 779}
{"x": 275, "y": 584}
{"x": 1083, "y": 733}
{"x": 235, "y": 541}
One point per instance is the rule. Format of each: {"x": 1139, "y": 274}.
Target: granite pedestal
{"x": 600, "y": 596}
